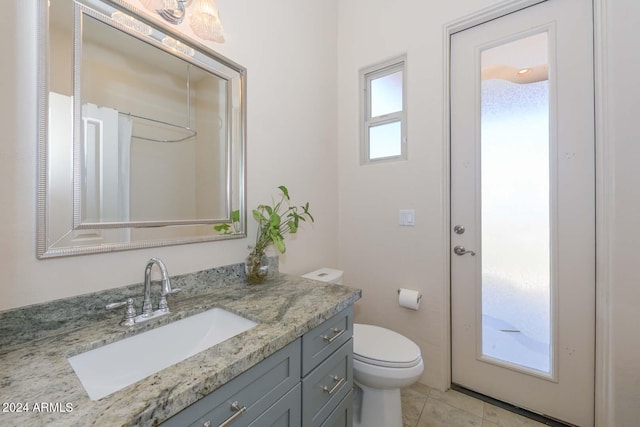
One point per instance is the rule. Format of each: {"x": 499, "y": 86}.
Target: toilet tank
{"x": 328, "y": 275}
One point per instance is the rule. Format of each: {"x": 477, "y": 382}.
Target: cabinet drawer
{"x": 327, "y": 385}
{"x": 342, "y": 416}
{"x": 247, "y": 396}
{"x": 323, "y": 340}
{"x": 287, "y": 412}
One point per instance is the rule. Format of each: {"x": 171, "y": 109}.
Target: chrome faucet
{"x": 163, "y": 307}
{"x": 130, "y": 317}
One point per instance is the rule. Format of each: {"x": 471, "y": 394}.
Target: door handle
{"x": 235, "y": 407}
{"x": 338, "y": 381}
{"x": 336, "y": 333}
{"x": 459, "y": 229}
{"x": 460, "y": 250}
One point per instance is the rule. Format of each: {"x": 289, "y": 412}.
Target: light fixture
{"x": 204, "y": 18}
{"x": 175, "y": 45}
{"x": 524, "y": 71}
{"x": 205, "y": 21}
{"x": 131, "y": 22}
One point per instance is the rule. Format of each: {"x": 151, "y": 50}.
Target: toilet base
{"x": 377, "y": 407}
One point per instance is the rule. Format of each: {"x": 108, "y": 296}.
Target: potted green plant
{"x": 232, "y": 227}
{"x": 275, "y": 222}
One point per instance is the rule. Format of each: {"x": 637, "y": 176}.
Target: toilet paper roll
{"x": 409, "y": 298}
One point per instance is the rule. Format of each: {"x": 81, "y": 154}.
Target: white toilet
{"x": 383, "y": 362}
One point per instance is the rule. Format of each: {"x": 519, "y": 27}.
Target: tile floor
{"x": 426, "y": 407}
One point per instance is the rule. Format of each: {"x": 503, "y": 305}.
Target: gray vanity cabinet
{"x": 342, "y": 416}
{"x": 325, "y": 387}
{"x": 284, "y": 413}
{"x": 255, "y": 393}
{"x": 319, "y": 343}
{"x": 327, "y": 369}
{"x": 308, "y": 383}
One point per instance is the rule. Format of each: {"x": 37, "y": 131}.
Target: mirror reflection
{"x": 147, "y": 118}
{"x": 145, "y": 138}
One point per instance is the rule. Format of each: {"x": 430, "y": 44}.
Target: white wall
{"x": 289, "y": 49}
{"x": 376, "y": 253}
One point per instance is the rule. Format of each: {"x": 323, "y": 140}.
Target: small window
{"x": 384, "y": 112}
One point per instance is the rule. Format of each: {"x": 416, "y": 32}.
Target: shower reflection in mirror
{"x": 145, "y": 138}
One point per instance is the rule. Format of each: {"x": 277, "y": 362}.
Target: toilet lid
{"x": 383, "y": 347}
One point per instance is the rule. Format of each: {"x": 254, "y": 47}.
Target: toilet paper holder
{"x": 419, "y": 297}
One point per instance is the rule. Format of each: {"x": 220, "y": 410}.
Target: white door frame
{"x": 604, "y": 193}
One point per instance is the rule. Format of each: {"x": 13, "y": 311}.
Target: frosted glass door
{"x": 523, "y": 210}
{"x": 515, "y": 197}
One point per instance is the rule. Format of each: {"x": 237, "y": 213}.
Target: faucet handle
{"x": 129, "y": 314}
{"x": 163, "y": 306}
{"x": 164, "y": 292}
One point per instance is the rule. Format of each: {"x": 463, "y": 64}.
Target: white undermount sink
{"x": 112, "y": 367}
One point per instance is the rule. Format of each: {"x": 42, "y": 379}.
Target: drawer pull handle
{"x": 238, "y": 411}
{"x": 340, "y": 381}
{"x": 336, "y": 333}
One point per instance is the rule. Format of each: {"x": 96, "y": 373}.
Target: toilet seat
{"x": 379, "y": 346}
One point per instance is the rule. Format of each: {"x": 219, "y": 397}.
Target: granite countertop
{"x": 35, "y": 371}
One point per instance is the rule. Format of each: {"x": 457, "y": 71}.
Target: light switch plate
{"x": 407, "y": 217}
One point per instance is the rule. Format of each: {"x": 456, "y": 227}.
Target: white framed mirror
{"x": 142, "y": 133}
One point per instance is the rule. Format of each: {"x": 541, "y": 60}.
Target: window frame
{"x": 367, "y": 122}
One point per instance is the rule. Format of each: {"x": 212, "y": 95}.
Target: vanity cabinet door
{"x": 342, "y": 416}
{"x": 325, "y": 387}
{"x": 245, "y": 398}
{"x": 322, "y": 341}
{"x": 286, "y": 412}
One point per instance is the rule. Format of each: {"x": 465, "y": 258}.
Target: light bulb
{"x": 174, "y": 44}
{"x": 152, "y": 5}
{"x": 205, "y": 20}
{"x": 132, "y": 23}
